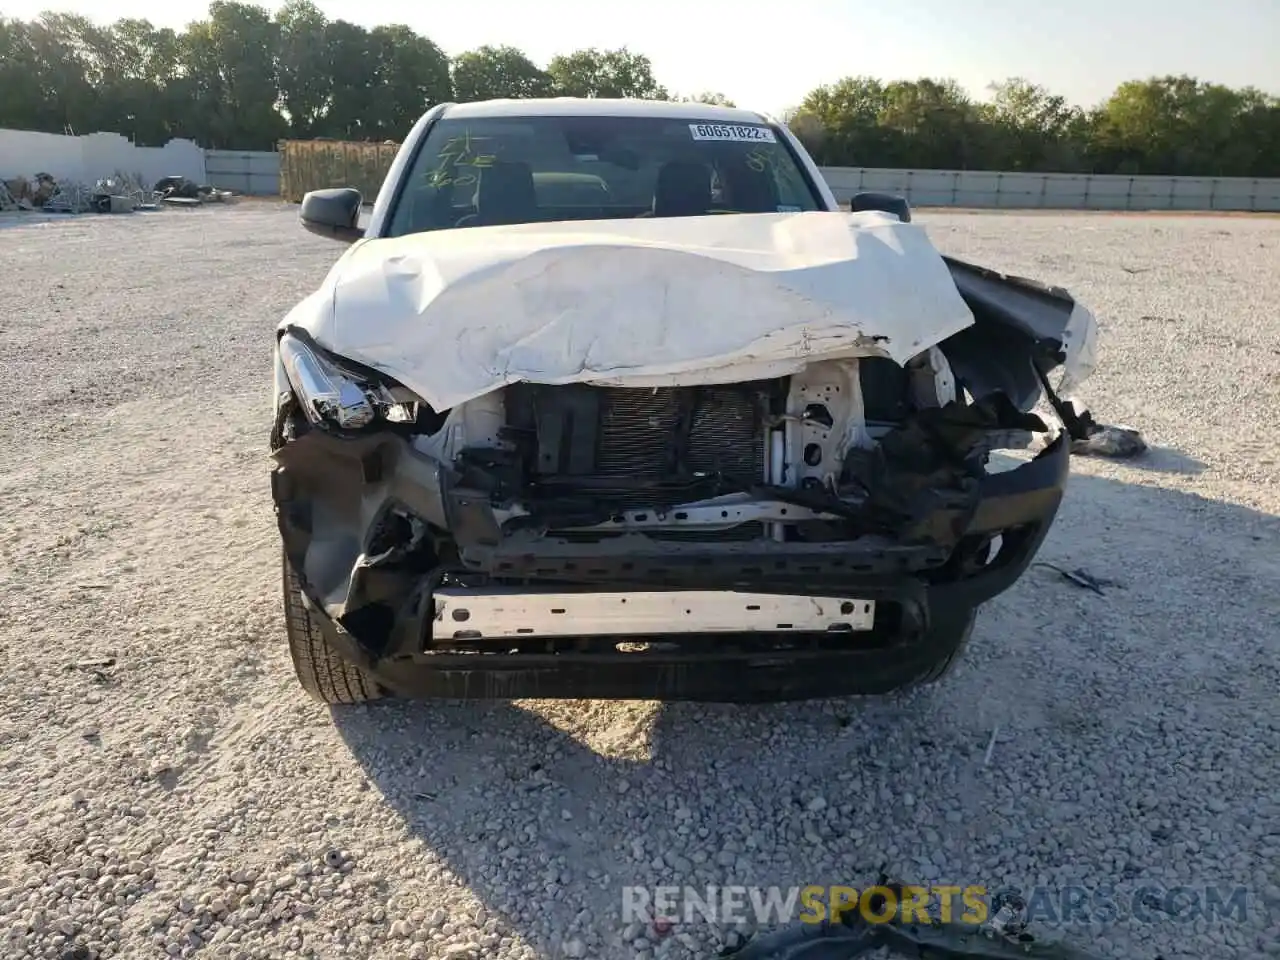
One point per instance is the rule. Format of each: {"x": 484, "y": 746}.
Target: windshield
{"x": 504, "y": 170}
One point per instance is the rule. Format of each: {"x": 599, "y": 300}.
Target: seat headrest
{"x": 506, "y": 194}
{"x": 683, "y": 190}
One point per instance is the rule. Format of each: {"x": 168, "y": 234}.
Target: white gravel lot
{"x": 189, "y": 800}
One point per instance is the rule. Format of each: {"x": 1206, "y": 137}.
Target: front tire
{"x": 321, "y": 671}
{"x": 946, "y": 640}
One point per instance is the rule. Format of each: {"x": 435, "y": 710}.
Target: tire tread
{"x": 950, "y": 638}
{"x": 321, "y": 671}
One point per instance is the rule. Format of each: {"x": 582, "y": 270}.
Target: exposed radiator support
{"x": 776, "y": 471}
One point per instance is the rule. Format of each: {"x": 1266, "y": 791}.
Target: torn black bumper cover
{"x": 359, "y": 517}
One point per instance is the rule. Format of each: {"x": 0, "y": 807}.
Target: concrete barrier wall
{"x": 1057, "y": 191}
{"x": 923, "y": 188}
{"x": 86, "y": 159}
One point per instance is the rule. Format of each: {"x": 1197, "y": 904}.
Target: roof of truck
{"x": 600, "y": 107}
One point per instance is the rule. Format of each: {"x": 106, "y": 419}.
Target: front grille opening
{"x": 642, "y": 434}
{"x": 627, "y": 448}
{"x": 640, "y": 428}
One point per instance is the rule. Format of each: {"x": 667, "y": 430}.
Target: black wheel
{"x": 949, "y": 632}
{"x": 321, "y": 671}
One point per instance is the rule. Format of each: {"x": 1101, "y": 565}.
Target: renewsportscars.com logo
{"x": 1072, "y": 904}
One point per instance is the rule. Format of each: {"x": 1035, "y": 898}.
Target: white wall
{"x": 255, "y": 173}
{"x": 86, "y": 159}
{"x": 258, "y": 173}
{"x": 1057, "y": 191}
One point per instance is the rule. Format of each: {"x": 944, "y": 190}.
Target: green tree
{"x": 58, "y": 52}
{"x": 228, "y": 75}
{"x": 605, "y": 73}
{"x": 931, "y": 123}
{"x": 710, "y": 97}
{"x": 1180, "y": 125}
{"x": 840, "y": 123}
{"x": 1032, "y": 129}
{"x": 302, "y": 65}
{"x": 22, "y": 95}
{"x": 351, "y": 88}
{"x": 410, "y": 74}
{"x": 140, "y": 65}
{"x": 1259, "y": 122}
{"x": 490, "y": 73}
{"x": 243, "y": 77}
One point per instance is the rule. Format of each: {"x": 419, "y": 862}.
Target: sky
{"x": 767, "y": 56}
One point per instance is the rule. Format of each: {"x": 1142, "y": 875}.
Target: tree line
{"x": 244, "y": 78}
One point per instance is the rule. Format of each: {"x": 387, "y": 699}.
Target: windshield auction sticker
{"x": 731, "y": 132}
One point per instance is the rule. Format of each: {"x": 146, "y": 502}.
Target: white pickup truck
{"x": 611, "y": 399}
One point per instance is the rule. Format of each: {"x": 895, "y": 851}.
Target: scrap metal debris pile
{"x": 21, "y": 193}
{"x": 119, "y": 193}
{"x": 179, "y": 191}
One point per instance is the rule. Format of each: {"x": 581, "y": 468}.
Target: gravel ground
{"x": 189, "y": 800}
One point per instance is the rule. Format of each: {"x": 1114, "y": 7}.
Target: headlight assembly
{"x": 333, "y": 395}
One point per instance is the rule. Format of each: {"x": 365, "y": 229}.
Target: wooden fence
{"x": 315, "y": 164}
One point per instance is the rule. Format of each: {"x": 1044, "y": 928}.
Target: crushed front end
{"x": 778, "y": 538}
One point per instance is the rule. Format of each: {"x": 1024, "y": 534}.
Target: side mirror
{"x": 884, "y": 202}
{"x": 333, "y": 213}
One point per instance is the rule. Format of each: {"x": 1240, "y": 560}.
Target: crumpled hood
{"x": 455, "y": 314}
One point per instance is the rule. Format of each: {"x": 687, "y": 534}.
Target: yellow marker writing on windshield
{"x": 759, "y": 160}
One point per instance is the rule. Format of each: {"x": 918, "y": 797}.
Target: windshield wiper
{"x": 1002, "y": 937}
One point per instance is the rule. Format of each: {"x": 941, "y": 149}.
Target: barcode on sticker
{"x": 734, "y": 132}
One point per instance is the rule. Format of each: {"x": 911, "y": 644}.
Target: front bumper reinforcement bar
{"x": 476, "y": 614}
